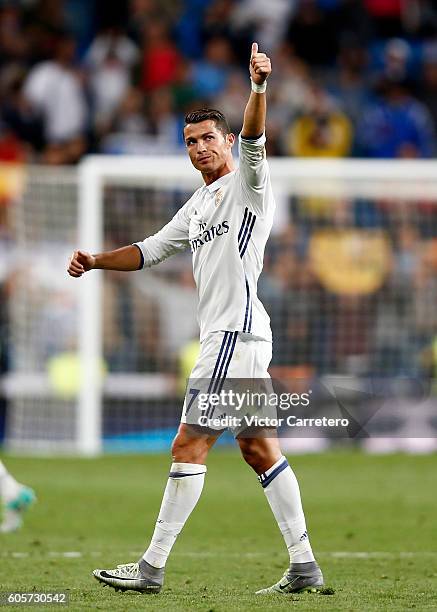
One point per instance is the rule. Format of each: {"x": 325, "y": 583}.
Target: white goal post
{"x": 132, "y": 180}
{"x": 93, "y": 172}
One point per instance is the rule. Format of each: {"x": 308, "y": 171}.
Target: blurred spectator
{"x": 396, "y": 60}
{"x": 322, "y": 131}
{"x": 131, "y": 115}
{"x": 111, "y": 14}
{"x": 11, "y": 149}
{"x": 13, "y": 43}
{"x": 394, "y": 335}
{"x": 340, "y": 67}
{"x": 352, "y": 319}
{"x": 134, "y": 132}
{"x": 291, "y": 85}
{"x": 163, "y": 123}
{"x": 54, "y": 91}
{"x": 313, "y": 35}
{"x": 428, "y": 88}
{"x": 131, "y": 341}
{"x": 420, "y": 19}
{"x": 288, "y": 95}
{"x": 421, "y": 324}
{"x": 45, "y": 22}
{"x": 196, "y": 46}
{"x": 139, "y": 12}
{"x": 288, "y": 292}
{"x": 16, "y": 112}
{"x": 161, "y": 58}
{"x": 387, "y": 16}
{"x": 183, "y": 91}
{"x": 349, "y": 83}
{"x": 81, "y": 18}
{"x": 175, "y": 297}
{"x": 221, "y": 19}
{"x": 425, "y": 294}
{"x": 110, "y": 61}
{"x": 128, "y": 124}
{"x": 266, "y": 20}
{"x": 189, "y": 27}
{"x": 210, "y": 74}
{"x": 396, "y": 124}
{"x": 352, "y": 21}
{"x": 407, "y": 259}
{"x": 232, "y": 100}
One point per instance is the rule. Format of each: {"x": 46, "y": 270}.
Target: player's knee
{"x": 189, "y": 450}
{"x": 252, "y": 453}
{"x": 260, "y": 454}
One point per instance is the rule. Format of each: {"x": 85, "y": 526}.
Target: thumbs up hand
{"x": 259, "y": 66}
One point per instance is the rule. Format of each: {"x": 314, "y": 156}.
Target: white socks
{"x": 9, "y": 487}
{"x": 282, "y": 492}
{"x": 182, "y": 493}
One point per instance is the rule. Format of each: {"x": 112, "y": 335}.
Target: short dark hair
{"x": 209, "y": 114}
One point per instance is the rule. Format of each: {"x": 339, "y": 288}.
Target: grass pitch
{"x": 371, "y": 521}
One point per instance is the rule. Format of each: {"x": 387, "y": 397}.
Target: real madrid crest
{"x": 219, "y": 197}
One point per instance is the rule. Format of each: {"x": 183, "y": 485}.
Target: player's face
{"x": 209, "y": 149}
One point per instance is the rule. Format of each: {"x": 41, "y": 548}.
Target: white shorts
{"x": 228, "y": 361}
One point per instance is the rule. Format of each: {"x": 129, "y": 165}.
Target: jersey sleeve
{"x": 171, "y": 239}
{"x": 254, "y": 173}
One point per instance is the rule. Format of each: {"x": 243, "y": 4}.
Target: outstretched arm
{"x": 126, "y": 259}
{"x": 171, "y": 239}
{"x": 255, "y": 112}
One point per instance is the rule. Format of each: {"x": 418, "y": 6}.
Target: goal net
{"x": 100, "y": 363}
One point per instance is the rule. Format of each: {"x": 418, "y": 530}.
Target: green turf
{"x": 105, "y": 509}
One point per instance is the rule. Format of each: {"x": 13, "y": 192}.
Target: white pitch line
{"x": 378, "y": 555}
{"x": 335, "y": 554}
{"x": 68, "y": 555}
{"x": 210, "y": 554}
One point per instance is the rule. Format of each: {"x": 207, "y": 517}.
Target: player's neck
{"x": 211, "y": 177}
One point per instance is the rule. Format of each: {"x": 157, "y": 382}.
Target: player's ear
{"x": 230, "y": 139}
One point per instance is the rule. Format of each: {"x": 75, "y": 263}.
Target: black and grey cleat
{"x": 140, "y": 577}
{"x": 299, "y": 578}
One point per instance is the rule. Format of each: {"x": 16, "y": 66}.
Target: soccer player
{"x": 16, "y": 498}
{"x": 226, "y": 223}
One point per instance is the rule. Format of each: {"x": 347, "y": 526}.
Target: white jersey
{"x": 226, "y": 224}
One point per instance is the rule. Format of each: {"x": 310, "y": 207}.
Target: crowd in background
{"x": 350, "y": 285}
{"x": 350, "y": 77}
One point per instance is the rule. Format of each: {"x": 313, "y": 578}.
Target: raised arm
{"x": 255, "y": 112}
